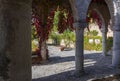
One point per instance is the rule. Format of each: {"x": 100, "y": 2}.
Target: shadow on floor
{"x": 54, "y": 60}
{"x": 96, "y": 66}
{"x": 87, "y": 57}
{"x": 91, "y": 73}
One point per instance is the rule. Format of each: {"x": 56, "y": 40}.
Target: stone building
{"x": 15, "y": 34}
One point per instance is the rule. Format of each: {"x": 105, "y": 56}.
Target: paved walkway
{"x": 61, "y": 66}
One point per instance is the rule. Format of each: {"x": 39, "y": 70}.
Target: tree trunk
{"x": 44, "y": 54}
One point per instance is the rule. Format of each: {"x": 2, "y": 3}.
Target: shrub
{"x": 34, "y": 39}
{"x": 56, "y": 37}
{"x": 109, "y": 43}
{"x": 94, "y": 33}
{"x": 35, "y": 44}
{"x": 91, "y": 33}
{"x": 69, "y": 37}
{"x": 97, "y": 47}
{"x": 92, "y": 46}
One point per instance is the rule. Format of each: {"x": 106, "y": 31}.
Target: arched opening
{"x": 15, "y": 40}
{"x": 45, "y": 10}
{"x": 98, "y": 12}
{"x": 43, "y": 17}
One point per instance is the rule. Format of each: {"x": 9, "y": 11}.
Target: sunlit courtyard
{"x": 59, "y": 40}
{"x": 61, "y": 66}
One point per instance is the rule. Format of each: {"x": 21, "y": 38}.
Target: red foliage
{"x": 49, "y": 25}
{"x": 65, "y": 22}
{"x": 70, "y": 21}
{"x": 96, "y": 17}
{"x": 43, "y": 31}
{"x": 62, "y": 25}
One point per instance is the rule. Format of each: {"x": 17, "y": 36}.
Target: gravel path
{"x": 61, "y": 66}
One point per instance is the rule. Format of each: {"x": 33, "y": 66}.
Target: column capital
{"x": 80, "y": 24}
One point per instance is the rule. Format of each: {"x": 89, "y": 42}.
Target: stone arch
{"x": 101, "y": 16}
{"x": 103, "y": 29}
{"x": 74, "y": 9}
{"x": 107, "y": 11}
{"x": 80, "y": 8}
{"x": 102, "y": 9}
{"x": 111, "y": 7}
{"x": 104, "y": 12}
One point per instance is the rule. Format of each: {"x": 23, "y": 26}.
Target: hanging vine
{"x": 95, "y": 18}
{"x": 43, "y": 16}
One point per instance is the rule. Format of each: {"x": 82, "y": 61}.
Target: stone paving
{"x": 61, "y": 66}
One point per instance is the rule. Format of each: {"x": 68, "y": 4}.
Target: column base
{"x": 105, "y": 54}
{"x": 116, "y": 59}
{"x": 78, "y": 73}
{"x": 114, "y": 66}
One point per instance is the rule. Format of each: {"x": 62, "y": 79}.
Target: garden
{"x": 56, "y": 24}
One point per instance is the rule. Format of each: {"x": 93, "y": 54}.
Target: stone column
{"x": 116, "y": 48}
{"x": 79, "y": 52}
{"x": 104, "y": 40}
{"x": 116, "y": 35}
{"x": 15, "y": 40}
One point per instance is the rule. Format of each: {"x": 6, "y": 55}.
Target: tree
{"x": 43, "y": 12}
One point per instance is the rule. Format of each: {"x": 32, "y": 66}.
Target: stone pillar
{"x": 15, "y": 40}
{"x": 79, "y": 52}
{"x": 116, "y": 35}
{"x": 116, "y": 48}
{"x": 104, "y": 40}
